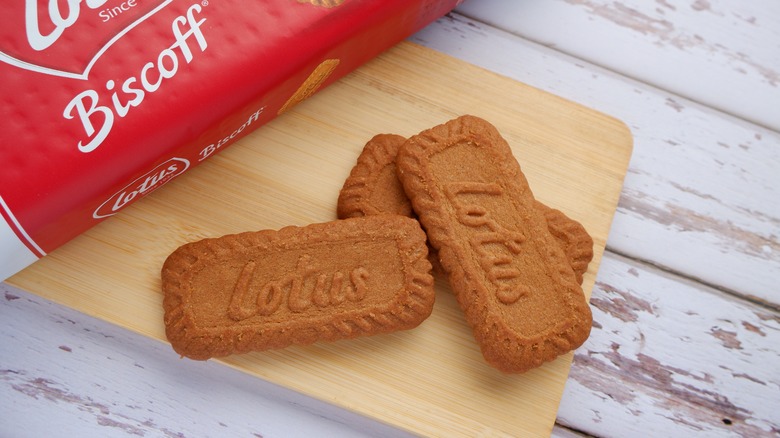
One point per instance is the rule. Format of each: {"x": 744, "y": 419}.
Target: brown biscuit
{"x": 512, "y": 279}
{"x": 373, "y": 188}
{"x": 575, "y": 241}
{"x": 271, "y": 289}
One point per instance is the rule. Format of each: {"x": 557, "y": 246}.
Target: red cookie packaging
{"x": 105, "y": 101}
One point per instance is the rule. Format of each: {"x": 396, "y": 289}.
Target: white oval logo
{"x": 143, "y": 185}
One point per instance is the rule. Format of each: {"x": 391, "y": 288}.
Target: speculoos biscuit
{"x": 518, "y": 291}
{"x": 573, "y": 238}
{"x": 270, "y": 289}
{"x": 373, "y": 188}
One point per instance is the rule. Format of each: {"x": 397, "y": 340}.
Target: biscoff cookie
{"x": 512, "y": 279}
{"x": 573, "y": 238}
{"x": 270, "y": 289}
{"x": 373, "y": 188}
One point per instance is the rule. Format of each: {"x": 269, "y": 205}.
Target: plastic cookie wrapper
{"x": 105, "y": 103}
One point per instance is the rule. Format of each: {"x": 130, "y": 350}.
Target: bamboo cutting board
{"x": 431, "y": 380}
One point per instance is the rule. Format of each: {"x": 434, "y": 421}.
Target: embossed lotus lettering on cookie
{"x": 271, "y": 289}
{"x": 66, "y": 38}
{"x": 306, "y": 287}
{"x": 495, "y": 246}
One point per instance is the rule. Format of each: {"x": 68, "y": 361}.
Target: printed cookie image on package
{"x": 515, "y": 284}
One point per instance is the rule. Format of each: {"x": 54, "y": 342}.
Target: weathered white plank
{"x": 670, "y": 357}
{"x": 701, "y": 194}
{"x": 722, "y": 53}
{"x": 63, "y": 373}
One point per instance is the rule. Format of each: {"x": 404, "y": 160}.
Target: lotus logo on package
{"x": 143, "y": 185}
{"x": 65, "y": 38}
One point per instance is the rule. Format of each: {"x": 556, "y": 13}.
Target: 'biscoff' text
{"x": 86, "y": 105}
{"x": 210, "y": 149}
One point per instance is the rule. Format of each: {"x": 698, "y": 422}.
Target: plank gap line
{"x": 689, "y": 278}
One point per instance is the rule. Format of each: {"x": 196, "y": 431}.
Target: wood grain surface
{"x": 430, "y": 380}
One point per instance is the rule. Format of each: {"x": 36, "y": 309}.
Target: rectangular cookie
{"x": 373, "y": 188}
{"x": 512, "y": 279}
{"x": 271, "y": 289}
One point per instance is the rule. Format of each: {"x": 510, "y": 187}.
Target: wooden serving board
{"x": 431, "y": 380}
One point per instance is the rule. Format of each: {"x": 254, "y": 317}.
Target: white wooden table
{"x": 686, "y": 336}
